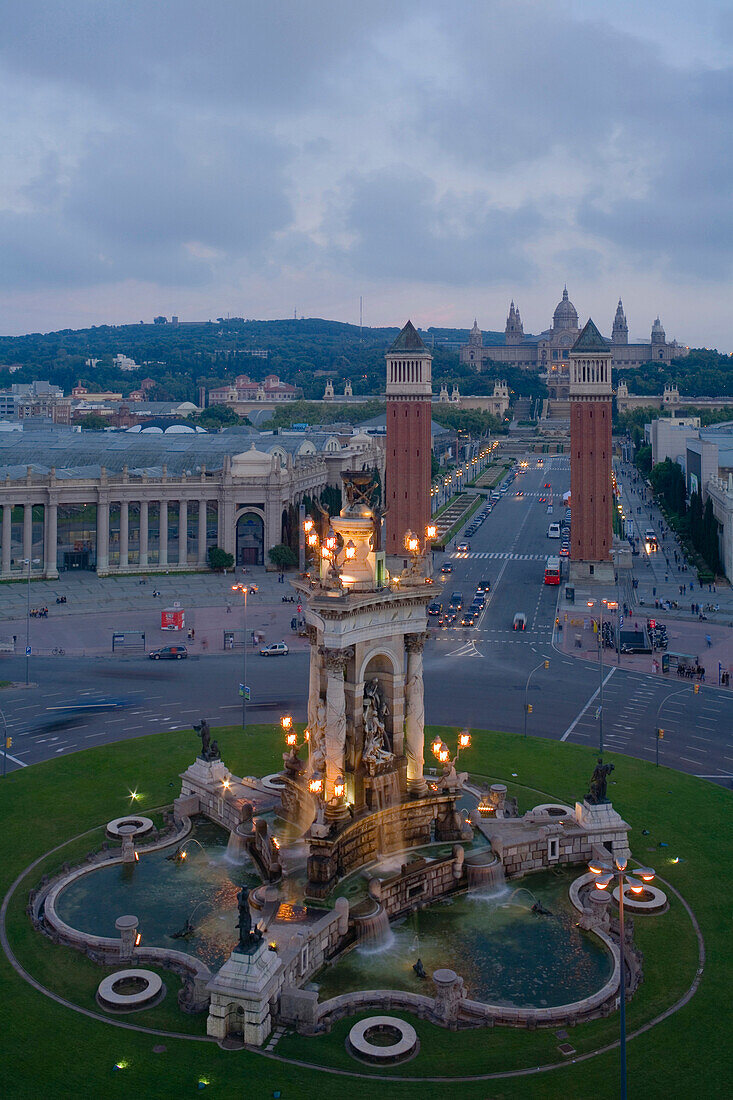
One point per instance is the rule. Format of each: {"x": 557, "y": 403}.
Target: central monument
{"x": 363, "y": 787}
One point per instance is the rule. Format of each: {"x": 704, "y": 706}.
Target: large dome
{"x": 565, "y": 316}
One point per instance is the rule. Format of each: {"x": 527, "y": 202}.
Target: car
{"x": 479, "y": 599}
{"x": 168, "y": 653}
{"x": 463, "y": 547}
{"x": 275, "y": 649}
{"x": 456, "y": 601}
{"x": 447, "y": 568}
{"x": 468, "y": 619}
{"x": 520, "y": 621}
{"x": 543, "y": 500}
{"x": 564, "y": 551}
{"x": 547, "y": 485}
{"x": 435, "y": 607}
{"x": 441, "y": 620}
{"x": 483, "y": 586}
{"x": 519, "y": 493}
{"x": 449, "y": 618}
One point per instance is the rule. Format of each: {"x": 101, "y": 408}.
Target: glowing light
{"x": 308, "y": 525}
{"x": 315, "y": 786}
{"x": 134, "y": 796}
{"x": 138, "y": 939}
{"x": 291, "y": 739}
{"x": 350, "y": 550}
{"x": 331, "y": 542}
{"x": 272, "y": 945}
{"x": 183, "y": 855}
{"x": 325, "y": 553}
{"x": 443, "y": 754}
{"x": 137, "y": 857}
{"x": 306, "y": 735}
{"x": 436, "y": 746}
{"x": 431, "y": 530}
{"x": 276, "y": 842}
{"x": 464, "y": 740}
{"x": 121, "y": 1065}
{"x": 225, "y": 784}
{"x": 286, "y": 722}
{"x": 339, "y": 787}
{"x": 312, "y": 539}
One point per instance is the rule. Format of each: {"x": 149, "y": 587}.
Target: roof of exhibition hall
{"x": 83, "y": 454}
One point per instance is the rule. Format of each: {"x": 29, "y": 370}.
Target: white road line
{"x": 16, "y": 760}
{"x": 575, "y": 721}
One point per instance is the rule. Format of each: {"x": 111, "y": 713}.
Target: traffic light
{"x": 529, "y": 708}
{"x": 696, "y": 689}
{"x": 8, "y": 742}
{"x": 660, "y": 734}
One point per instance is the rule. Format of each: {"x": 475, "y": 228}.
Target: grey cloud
{"x": 404, "y": 229}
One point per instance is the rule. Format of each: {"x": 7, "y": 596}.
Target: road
{"x": 473, "y": 676}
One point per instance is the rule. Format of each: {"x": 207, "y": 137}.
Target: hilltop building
{"x": 549, "y": 351}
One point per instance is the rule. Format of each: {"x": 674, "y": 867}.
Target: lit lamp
{"x": 431, "y": 531}
{"x": 443, "y": 753}
{"x": 464, "y": 740}
{"x": 308, "y": 526}
{"x": 286, "y": 722}
{"x": 436, "y": 746}
{"x": 350, "y": 550}
{"x": 339, "y": 787}
{"x": 291, "y": 739}
{"x": 315, "y": 786}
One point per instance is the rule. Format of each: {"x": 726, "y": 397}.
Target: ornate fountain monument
{"x": 363, "y": 790}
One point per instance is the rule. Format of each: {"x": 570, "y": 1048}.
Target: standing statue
{"x": 376, "y": 747}
{"x": 598, "y": 783}
{"x": 202, "y": 729}
{"x": 248, "y": 936}
{"x": 317, "y": 743}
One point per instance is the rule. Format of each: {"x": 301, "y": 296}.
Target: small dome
{"x": 565, "y": 316}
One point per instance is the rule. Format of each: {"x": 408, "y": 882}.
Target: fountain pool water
{"x": 506, "y": 954}
{"x": 165, "y": 895}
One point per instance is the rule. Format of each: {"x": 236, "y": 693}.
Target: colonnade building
{"x": 137, "y": 502}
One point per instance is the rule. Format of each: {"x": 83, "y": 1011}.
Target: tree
{"x": 644, "y": 460}
{"x": 94, "y": 422}
{"x": 282, "y": 556}
{"x": 668, "y": 482}
{"x": 218, "y": 416}
{"x": 219, "y": 559}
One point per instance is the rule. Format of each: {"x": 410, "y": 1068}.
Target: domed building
{"x": 548, "y": 351}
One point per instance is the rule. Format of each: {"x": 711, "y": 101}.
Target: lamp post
{"x": 606, "y": 873}
{"x": 441, "y": 751}
{"x": 659, "y": 732}
{"x": 244, "y": 589}
{"x": 545, "y": 663}
{"x": 601, "y": 605}
{"x": 28, "y": 562}
{"x": 5, "y": 745}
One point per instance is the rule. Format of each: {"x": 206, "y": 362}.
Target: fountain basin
{"x": 382, "y": 1040}
{"x": 130, "y": 990}
{"x": 133, "y": 825}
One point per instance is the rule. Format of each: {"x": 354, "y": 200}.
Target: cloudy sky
{"x": 438, "y": 157}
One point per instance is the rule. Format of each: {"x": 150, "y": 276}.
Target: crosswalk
{"x": 494, "y": 555}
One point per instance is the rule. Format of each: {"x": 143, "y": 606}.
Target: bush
{"x": 282, "y": 556}
{"x": 219, "y": 559}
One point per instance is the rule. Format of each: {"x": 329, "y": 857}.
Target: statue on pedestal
{"x": 376, "y": 748}
{"x": 209, "y": 748}
{"x": 598, "y": 783}
{"x": 248, "y": 937}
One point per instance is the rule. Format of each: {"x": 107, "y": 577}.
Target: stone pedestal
{"x": 242, "y": 993}
{"x": 449, "y": 992}
{"x": 127, "y": 928}
{"x": 606, "y": 828}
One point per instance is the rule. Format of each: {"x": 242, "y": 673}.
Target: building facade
{"x": 133, "y": 502}
{"x": 409, "y": 394}
{"x": 549, "y": 351}
{"x": 243, "y": 390}
{"x": 590, "y": 456}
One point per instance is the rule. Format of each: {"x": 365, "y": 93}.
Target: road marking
{"x": 16, "y": 760}
{"x": 575, "y": 721}
{"x": 716, "y": 775}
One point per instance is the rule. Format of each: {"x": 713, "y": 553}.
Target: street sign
{"x": 27, "y": 651}
{"x": 598, "y": 712}
{"x": 245, "y": 691}
{"x": 620, "y": 620}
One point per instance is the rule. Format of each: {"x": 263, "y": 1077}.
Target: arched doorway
{"x": 250, "y": 539}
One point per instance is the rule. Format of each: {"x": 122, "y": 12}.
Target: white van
{"x": 553, "y": 531}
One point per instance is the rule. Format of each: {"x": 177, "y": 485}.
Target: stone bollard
{"x": 127, "y": 928}
{"x": 128, "y": 849}
{"x": 497, "y": 797}
{"x": 341, "y": 907}
{"x": 449, "y": 992}
{"x": 375, "y": 889}
{"x": 458, "y": 857}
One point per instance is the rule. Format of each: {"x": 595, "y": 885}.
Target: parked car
{"x": 275, "y": 649}
{"x": 520, "y": 621}
{"x": 168, "y": 653}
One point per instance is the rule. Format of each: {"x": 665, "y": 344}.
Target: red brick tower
{"x": 409, "y": 389}
{"x": 590, "y": 457}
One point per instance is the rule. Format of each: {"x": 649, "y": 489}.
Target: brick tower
{"x": 590, "y": 457}
{"x": 409, "y": 390}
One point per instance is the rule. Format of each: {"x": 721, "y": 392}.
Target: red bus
{"x": 552, "y": 571}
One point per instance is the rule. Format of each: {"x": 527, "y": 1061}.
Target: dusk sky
{"x": 438, "y": 157}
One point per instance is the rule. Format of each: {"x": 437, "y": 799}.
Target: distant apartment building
{"x": 32, "y": 400}
{"x": 123, "y": 362}
{"x": 244, "y": 390}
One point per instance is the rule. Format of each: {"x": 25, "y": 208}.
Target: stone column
{"x": 124, "y": 533}
{"x": 415, "y": 715}
{"x": 7, "y": 535}
{"x": 201, "y": 545}
{"x": 50, "y": 539}
{"x": 336, "y": 661}
{"x": 182, "y": 532}
{"x": 163, "y": 534}
{"x": 143, "y": 533}
{"x": 28, "y": 531}
{"x": 103, "y": 537}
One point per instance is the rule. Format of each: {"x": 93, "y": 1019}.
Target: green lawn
{"x": 53, "y": 1051}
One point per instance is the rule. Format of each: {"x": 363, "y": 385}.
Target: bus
{"x": 650, "y": 539}
{"x": 552, "y": 571}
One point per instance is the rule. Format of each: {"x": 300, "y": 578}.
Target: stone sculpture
{"x": 376, "y": 749}
{"x": 598, "y": 783}
{"x": 248, "y": 937}
{"x": 202, "y": 729}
